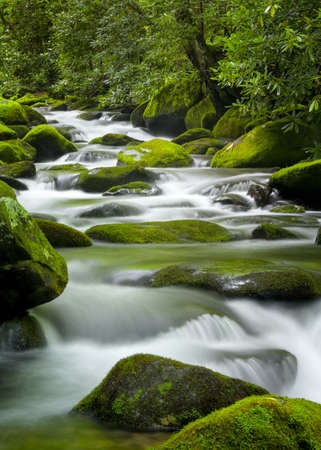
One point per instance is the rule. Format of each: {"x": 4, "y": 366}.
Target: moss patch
{"x": 12, "y": 113}
{"x": 134, "y": 188}
{"x": 6, "y": 190}
{"x": 115, "y": 140}
{"x": 15, "y": 150}
{"x": 231, "y": 125}
{"x": 264, "y": 422}
{"x": 6, "y": 133}
{"x": 20, "y": 130}
{"x": 30, "y": 99}
{"x": 61, "y": 235}
{"x": 201, "y": 146}
{"x": 192, "y": 135}
{"x": 289, "y": 209}
{"x": 146, "y": 392}
{"x": 201, "y": 115}
{"x": 272, "y": 232}
{"x": 22, "y": 169}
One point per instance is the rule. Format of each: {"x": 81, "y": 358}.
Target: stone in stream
{"x": 239, "y": 202}
{"x": 14, "y": 183}
{"x": 272, "y": 232}
{"x": 48, "y": 142}
{"x": 21, "y": 334}
{"x": 318, "y": 238}
{"x": 136, "y": 117}
{"x": 288, "y": 209}
{"x": 258, "y": 422}
{"x": 112, "y": 210}
{"x": 201, "y": 146}
{"x": 103, "y": 178}
{"x": 261, "y": 193}
{"x": 61, "y": 235}
{"x": 34, "y": 117}
{"x": 90, "y": 115}
{"x": 147, "y": 392}
{"x": 172, "y": 232}
{"x": 201, "y": 115}
{"x": 265, "y": 146}
{"x": 115, "y": 140}
{"x": 192, "y": 135}
{"x": 30, "y": 99}
{"x": 71, "y": 133}
{"x": 301, "y": 182}
{"x": 15, "y": 150}
{"x": 231, "y": 125}
{"x": 12, "y": 113}
{"x": 156, "y": 153}
{"x": 21, "y": 169}
{"x": 282, "y": 220}
{"x": 244, "y": 278}
{"x": 31, "y": 271}
{"x": 6, "y": 133}
{"x": 134, "y": 188}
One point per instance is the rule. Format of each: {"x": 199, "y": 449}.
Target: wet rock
{"x": 318, "y": 238}
{"x": 15, "y": 150}
{"x": 71, "y": 133}
{"x": 231, "y": 125}
{"x": 21, "y": 334}
{"x": 48, "y": 142}
{"x": 6, "y": 190}
{"x": 300, "y": 182}
{"x": 21, "y": 169}
{"x": 60, "y": 235}
{"x": 200, "y": 146}
{"x": 59, "y": 105}
{"x": 261, "y": 194}
{"x": 134, "y": 188}
{"x": 136, "y": 117}
{"x": 90, "y": 115}
{"x": 192, "y": 135}
{"x": 272, "y": 232}
{"x": 31, "y": 271}
{"x": 14, "y": 183}
{"x": 237, "y": 201}
{"x": 120, "y": 117}
{"x": 268, "y": 422}
{"x": 172, "y": 232}
{"x": 156, "y": 153}
{"x": 103, "y": 178}
{"x": 288, "y": 209}
{"x": 201, "y": 115}
{"x": 147, "y": 392}
{"x": 115, "y": 140}
{"x": 112, "y": 210}
{"x": 34, "y": 117}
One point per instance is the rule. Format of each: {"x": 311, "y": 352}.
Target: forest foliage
{"x": 264, "y": 55}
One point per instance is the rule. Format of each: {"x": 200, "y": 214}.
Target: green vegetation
{"x": 201, "y": 115}
{"x": 22, "y": 169}
{"x": 116, "y": 140}
{"x": 191, "y": 135}
{"x": 61, "y": 235}
{"x": 147, "y": 392}
{"x": 15, "y": 150}
{"x": 6, "y": 190}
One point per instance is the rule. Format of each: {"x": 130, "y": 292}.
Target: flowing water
{"x": 106, "y": 313}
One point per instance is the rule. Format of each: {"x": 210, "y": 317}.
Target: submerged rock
{"x": 156, "y": 153}
{"x": 21, "y": 334}
{"x": 61, "y": 235}
{"x": 147, "y": 392}
{"x": 115, "y": 140}
{"x": 112, "y": 210}
{"x": 49, "y": 143}
{"x": 172, "y": 232}
{"x": 134, "y": 188}
{"x": 103, "y": 178}
{"x": 264, "y": 422}
{"x": 15, "y": 150}
{"x": 31, "y": 271}
{"x": 300, "y": 182}
{"x": 272, "y": 232}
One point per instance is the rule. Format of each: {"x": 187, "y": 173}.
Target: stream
{"x": 106, "y": 313}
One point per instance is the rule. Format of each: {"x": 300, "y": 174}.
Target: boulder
{"x": 34, "y": 117}
{"x": 258, "y": 422}
{"x": 192, "y": 135}
{"x": 31, "y": 99}
{"x": 21, "y": 334}
{"x": 31, "y": 271}
{"x": 300, "y": 182}
{"x": 115, "y": 140}
{"x": 147, "y": 392}
{"x": 272, "y": 232}
{"x": 61, "y": 235}
{"x": 134, "y": 188}
{"x": 103, "y": 178}
{"x": 59, "y": 105}
{"x": 172, "y": 232}
{"x": 20, "y": 130}
{"x": 14, "y": 183}
{"x": 166, "y": 110}
{"x": 6, "y": 190}
{"x": 156, "y": 153}
{"x": 265, "y": 146}
{"x": 15, "y": 150}
{"x": 12, "y": 113}
{"x": 112, "y": 210}
{"x": 201, "y": 115}
{"x": 237, "y": 201}
{"x": 136, "y": 117}
{"x": 261, "y": 194}
{"x": 231, "y": 125}
{"x": 22, "y": 169}
{"x": 201, "y": 146}
{"x": 6, "y": 133}
{"x": 90, "y": 115}
{"x": 48, "y": 142}
{"x": 71, "y": 133}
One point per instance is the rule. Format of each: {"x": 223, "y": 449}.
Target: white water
{"x": 99, "y": 319}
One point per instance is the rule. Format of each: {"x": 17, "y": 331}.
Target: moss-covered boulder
{"x": 59, "y": 105}
{"x": 265, "y": 146}
{"x": 15, "y": 150}
{"x": 34, "y": 117}
{"x": 60, "y": 235}
{"x": 90, "y": 115}
{"x": 318, "y": 238}
{"x": 103, "y": 178}
{"x": 299, "y": 182}
{"x": 172, "y": 232}
{"x": 14, "y": 183}
{"x": 272, "y": 232}
{"x": 48, "y": 142}
{"x": 147, "y": 392}
{"x": 156, "y": 153}
{"x": 136, "y": 117}
{"x": 30, "y": 99}
{"x": 31, "y": 271}
{"x": 115, "y": 140}
{"x": 231, "y": 125}
{"x": 166, "y": 110}
{"x": 258, "y": 422}
{"x": 12, "y": 113}
{"x": 192, "y": 135}
{"x": 288, "y": 209}
{"x": 201, "y": 146}
{"x": 20, "y": 130}
{"x": 201, "y": 115}
{"x": 22, "y": 169}
{"x": 6, "y": 190}
{"x": 21, "y": 334}
{"x": 244, "y": 278}
{"x": 6, "y": 133}
{"x": 134, "y": 188}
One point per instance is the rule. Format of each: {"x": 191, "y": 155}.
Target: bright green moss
{"x": 156, "y": 153}
{"x": 272, "y": 232}
{"x": 265, "y": 146}
{"x": 264, "y": 422}
{"x": 231, "y": 125}
{"x": 6, "y": 190}
{"x": 11, "y": 113}
{"x": 21, "y": 169}
{"x": 201, "y": 115}
{"x": 6, "y": 133}
{"x": 58, "y": 105}
{"x": 61, "y": 235}
{"x": 30, "y": 99}
{"x": 49, "y": 143}
{"x": 192, "y": 135}
{"x": 115, "y": 140}
{"x": 15, "y": 150}
{"x": 20, "y": 130}
{"x": 161, "y": 232}
{"x": 301, "y": 181}
{"x": 289, "y": 209}
{"x": 34, "y": 117}
{"x": 200, "y": 146}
